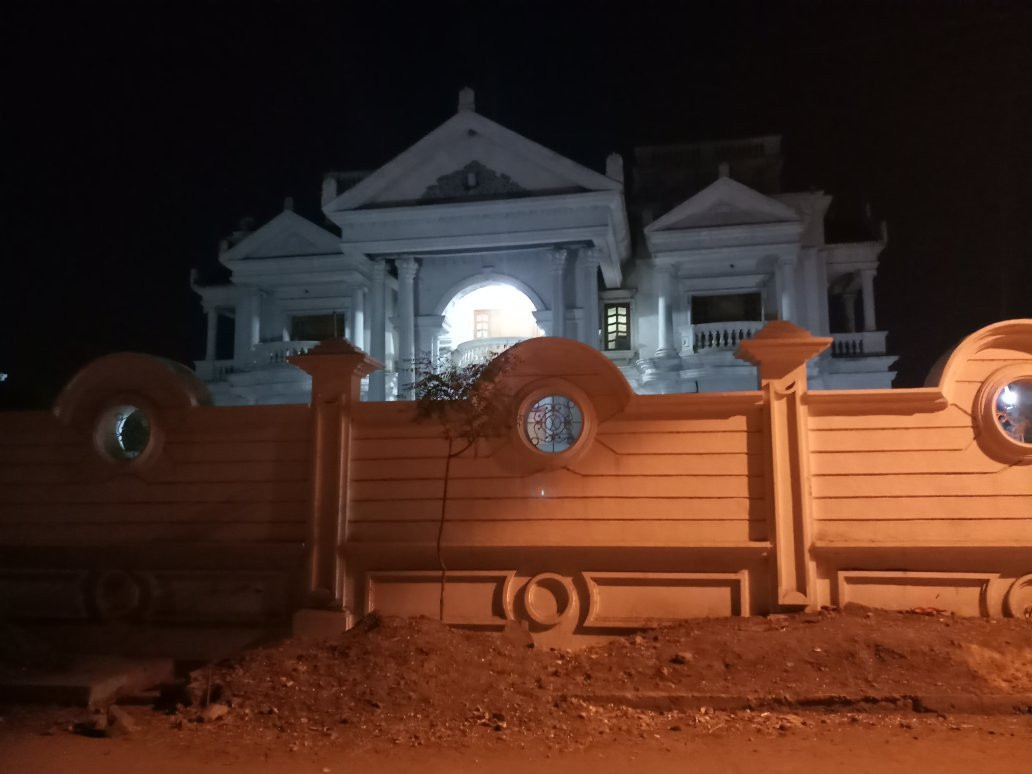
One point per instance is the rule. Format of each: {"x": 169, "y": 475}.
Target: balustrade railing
{"x": 481, "y": 350}
{"x": 214, "y": 370}
{"x": 858, "y": 344}
{"x": 724, "y": 335}
{"x": 272, "y": 353}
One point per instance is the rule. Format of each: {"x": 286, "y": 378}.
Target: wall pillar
{"x": 780, "y": 351}
{"x": 592, "y": 257}
{"x": 378, "y": 329}
{"x": 664, "y": 321}
{"x": 407, "y": 268}
{"x": 867, "y": 288}
{"x": 558, "y": 292}
{"x": 337, "y": 369}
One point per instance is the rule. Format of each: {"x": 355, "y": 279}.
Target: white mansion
{"x": 475, "y": 238}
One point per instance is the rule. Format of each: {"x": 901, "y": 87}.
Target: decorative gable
{"x": 470, "y": 157}
{"x": 285, "y": 236}
{"x": 724, "y": 203}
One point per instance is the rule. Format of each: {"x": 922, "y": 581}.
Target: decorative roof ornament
{"x": 288, "y": 204}
{"x": 467, "y": 100}
{"x": 724, "y": 169}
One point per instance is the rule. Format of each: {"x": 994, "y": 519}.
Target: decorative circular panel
{"x": 1013, "y": 410}
{"x": 553, "y": 423}
{"x": 548, "y": 598}
{"x": 124, "y": 432}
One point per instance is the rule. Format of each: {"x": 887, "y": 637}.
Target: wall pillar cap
{"x": 336, "y": 353}
{"x": 781, "y": 347}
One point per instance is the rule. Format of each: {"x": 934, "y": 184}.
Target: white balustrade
{"x": 273, "y": 353}
{"x": 724, "y": 335}
{"x": 858, "y": 344}
{"x": 481, "y": 350}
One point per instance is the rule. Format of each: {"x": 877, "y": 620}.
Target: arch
{"x": 469, "y": 284}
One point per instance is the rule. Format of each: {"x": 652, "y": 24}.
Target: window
{"x": 481, "y": 324}
{"x": 317, "y": 327}
{"x": 1014, "y": 410}
{"x": 553, "y": 423}
{"x": 124, "y": 433}
{"x": 731, "y": 307}
{"x": 616, "y": 327}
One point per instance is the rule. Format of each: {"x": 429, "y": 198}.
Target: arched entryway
{"x": 484, "y": 318}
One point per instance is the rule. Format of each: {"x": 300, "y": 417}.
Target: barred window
{"x": 616, "y": 326}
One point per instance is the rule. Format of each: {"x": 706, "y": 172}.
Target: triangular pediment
{"x": 285, "y": 236}
{"x": 470, "y": 157}
{"x": 724, "y": 203}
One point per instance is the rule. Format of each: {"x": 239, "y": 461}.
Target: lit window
{"x": 1014, "y": 410}
{"x": 553, "y": 424}
{"x": 617, "y": 327}
{"x": 481, "y": 324}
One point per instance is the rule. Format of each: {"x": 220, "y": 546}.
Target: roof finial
{"x": 288, "y": 203}
{"x": 724, "y": 169}
{"x": 467, "y": 100}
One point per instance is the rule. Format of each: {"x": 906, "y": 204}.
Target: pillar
{"x": 428, "y": 332}
{"x": 785, "y": 283}
{"x": 780, "y": 351}
{"x": 337, "y": 369}
{"x": 664, "y": 322}
{"x": 407, "y": 268}
{"x": 213, "y": 328}
{"x": 246, "y": 327}
{"x": 558, "y": 292}
{"x": 358, "y": 317}
{"x": 591, "y": 259}
{"x": 867, "y": 288}
{"x": 378, "y": 329}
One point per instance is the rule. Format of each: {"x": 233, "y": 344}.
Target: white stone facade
{"x": 473, "y": 204}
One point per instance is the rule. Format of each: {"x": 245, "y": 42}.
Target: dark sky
{"x": 139, "y": 134}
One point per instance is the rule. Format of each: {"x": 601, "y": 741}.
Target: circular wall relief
{"x": 1003, "y": 409}
{"x": 115, "y": 595}
{"x": 553, "y": 423}
{"x": 123, "y": 432}
{"x": 1019, "y": 598}
{"x": 548, "y": 598}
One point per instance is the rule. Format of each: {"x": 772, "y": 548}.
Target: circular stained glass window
{"x": 553, "y": 423}
{"x": 124, "y": 432}
{"x": 1014, "y": 410}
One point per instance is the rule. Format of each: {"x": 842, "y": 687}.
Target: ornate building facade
{"x": 475, "y": 238}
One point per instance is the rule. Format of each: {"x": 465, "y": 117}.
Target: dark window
{"x": 726, "y": 308}
{"x": 317, "y": 327}
{"x": 616, "y": 326}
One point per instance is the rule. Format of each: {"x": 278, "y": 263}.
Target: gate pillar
{"x": 337, "y": 369}
{"x": 780, "y": 352}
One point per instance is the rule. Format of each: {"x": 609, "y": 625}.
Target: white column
{"x": 785, "y": 282}
{"x": 213, "y": 323}
{"x": 428, "y": 333}
{"x": 358, "y": 317}
{"x": 867, "y": 278}
{"x": 246, "y": 327}
{"x": 664, "y": 322}
{"x": 378, "y": 330}
{"x": 591, "y": 259}
{"x": 687, "y": 332}
{"x": 558, "y": 293}
{"x": 407, "y": 268}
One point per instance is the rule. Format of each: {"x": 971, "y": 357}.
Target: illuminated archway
{"x": 486, "y": 317}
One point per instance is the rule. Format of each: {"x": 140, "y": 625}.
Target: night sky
{"x": 138, "y": 135}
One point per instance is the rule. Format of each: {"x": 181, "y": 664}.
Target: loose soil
{"x": 407, "y": 683}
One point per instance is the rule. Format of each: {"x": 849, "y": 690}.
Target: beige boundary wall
{"x": 665, "y": 507}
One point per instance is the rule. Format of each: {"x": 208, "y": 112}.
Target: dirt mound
{"x": 415, "y": 680}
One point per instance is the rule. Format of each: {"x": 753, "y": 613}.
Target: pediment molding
{"x": 723, "y": 203}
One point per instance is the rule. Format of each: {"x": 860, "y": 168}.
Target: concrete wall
{"x": 665, "y": 507}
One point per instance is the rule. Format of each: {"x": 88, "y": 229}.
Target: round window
{"x": 1013, "y": 410}
{"x": 553, "y": 423}
{"x": 124, "y": 432}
